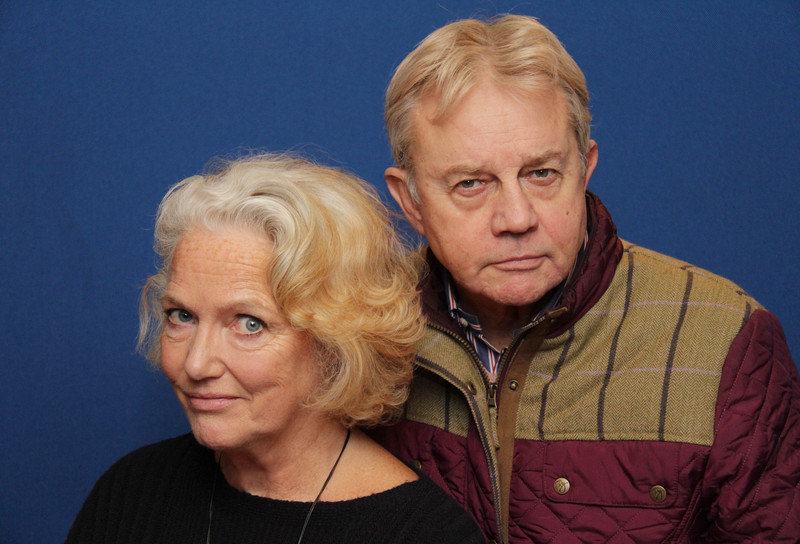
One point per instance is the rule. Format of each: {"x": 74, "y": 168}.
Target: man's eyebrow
{"x": 461, "y": 170}
{"x": 545, "y": 157}
{"x": 470, "y": 170}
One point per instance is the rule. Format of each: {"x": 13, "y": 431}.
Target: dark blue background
{"x": 102, "y": 107}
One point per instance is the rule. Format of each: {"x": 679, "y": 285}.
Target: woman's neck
{"x": 289, "y": 466}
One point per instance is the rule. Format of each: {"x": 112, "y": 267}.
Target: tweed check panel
{"x": 579, "y": 384}
{"x": 434, "y": 401}
{"x": 669, "y": 348}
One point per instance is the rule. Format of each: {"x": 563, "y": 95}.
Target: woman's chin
{"x": 213, "y": 439}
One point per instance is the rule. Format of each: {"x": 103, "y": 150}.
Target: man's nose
{"x": 514, "y": 212}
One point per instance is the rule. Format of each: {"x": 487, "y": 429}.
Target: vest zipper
{"x": 491, "y": 399}
{"x": 486, "y": 441}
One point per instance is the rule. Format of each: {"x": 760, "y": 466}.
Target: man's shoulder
{"x": 697, "y": 282}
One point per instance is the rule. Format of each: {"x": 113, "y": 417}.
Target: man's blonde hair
{"x": 517, "y": 51}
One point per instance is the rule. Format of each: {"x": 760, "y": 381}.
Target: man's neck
{"x": 499, "y": 322}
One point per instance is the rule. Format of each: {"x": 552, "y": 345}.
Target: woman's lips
{"x": 209, "y": 402}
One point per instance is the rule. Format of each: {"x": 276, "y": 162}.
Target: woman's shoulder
{"x": 154, "y": 461}
{"x": 418, "y": 511}
{"x": 436, "y": 517}
{"x": 150, "y": 488}
{"x": 404, "y": 505}
{"x": 369, "y": 469}
{"x": 175, "y": 447}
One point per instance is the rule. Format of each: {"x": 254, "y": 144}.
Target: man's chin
{"x": 505, "y": 300}
{"x": 520, "y": 288}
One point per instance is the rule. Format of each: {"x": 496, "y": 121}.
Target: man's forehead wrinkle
{"x": 469, "y": 130}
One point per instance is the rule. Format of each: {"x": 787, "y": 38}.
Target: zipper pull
{"x": 491, "y": 398}
{"x": 492, "y": 395}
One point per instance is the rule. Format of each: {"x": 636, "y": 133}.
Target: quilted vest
{"x": 600, "y": 430}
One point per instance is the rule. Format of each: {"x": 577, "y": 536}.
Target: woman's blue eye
{"x": 249, "y": 324}
{"x": 180, "y": 316}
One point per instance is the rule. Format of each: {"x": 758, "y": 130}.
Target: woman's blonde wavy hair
{"x": 338, "y": 271}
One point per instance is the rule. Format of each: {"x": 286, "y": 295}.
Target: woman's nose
{"x": 204, "y": 356}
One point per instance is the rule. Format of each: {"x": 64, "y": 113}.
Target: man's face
{"x": 501, "y": 194}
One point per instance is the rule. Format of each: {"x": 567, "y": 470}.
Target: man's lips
{"x": 209, "y": 402}
{"x": 519, "y": 264}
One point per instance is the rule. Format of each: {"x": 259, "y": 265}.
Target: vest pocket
{"x": 641, "y": 474}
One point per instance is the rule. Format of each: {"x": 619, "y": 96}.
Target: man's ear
{"x": 591, "y": 162}
{"x": 397, "y": 182}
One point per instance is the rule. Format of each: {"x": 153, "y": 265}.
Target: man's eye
{"x": 250, "y": 325}
{"x": 542, "y": 173}
{"x": 469, "y": 183}
{"x": 179, "y": 316}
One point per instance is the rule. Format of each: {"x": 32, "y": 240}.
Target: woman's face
{"x": 239, "y": 370}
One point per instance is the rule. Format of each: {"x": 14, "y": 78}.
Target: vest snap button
{"x": 561, "y": 485}
{"x": 513, "y": 385}
{"x": 658, "y": 493}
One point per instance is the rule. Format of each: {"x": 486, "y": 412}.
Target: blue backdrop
{"x": 102, "y": 108}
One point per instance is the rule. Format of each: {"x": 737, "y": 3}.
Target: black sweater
{"x": 161, "y": 493}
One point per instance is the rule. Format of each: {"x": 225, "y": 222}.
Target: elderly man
{"x": 572, "y": 387}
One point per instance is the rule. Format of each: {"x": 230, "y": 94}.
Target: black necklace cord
{"x": 328, "y": 479}
{"x": 211, "y": 502}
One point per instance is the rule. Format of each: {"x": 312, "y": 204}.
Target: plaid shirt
{"x": 489, "y": 355}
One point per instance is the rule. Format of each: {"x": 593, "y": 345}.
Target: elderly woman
{"x": 284, "y": 314}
